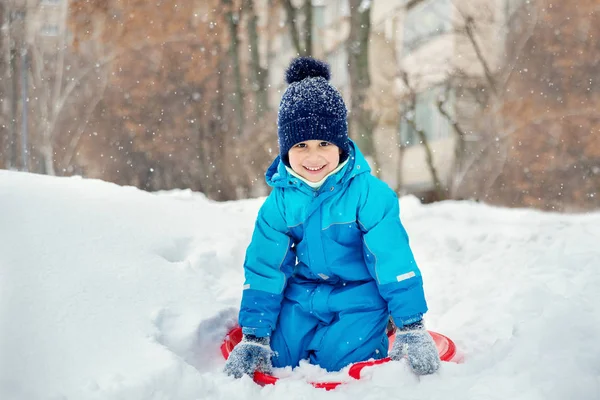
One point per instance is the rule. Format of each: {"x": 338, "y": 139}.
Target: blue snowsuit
{"x": 326, "y": 267}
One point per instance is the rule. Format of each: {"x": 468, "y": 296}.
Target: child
{"x": 329, "y": 261}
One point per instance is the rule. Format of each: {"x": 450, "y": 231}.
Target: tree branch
{"x": 437, "y": 184}
{"x": 75, "y": 140}
{"x": 469, "y": 24}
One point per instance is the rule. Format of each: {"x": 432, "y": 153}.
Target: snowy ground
{"x": 108, "y": 292}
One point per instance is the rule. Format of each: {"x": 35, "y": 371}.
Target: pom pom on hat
{"x": 311, "y": 108}
{"x": 306, "y": 67}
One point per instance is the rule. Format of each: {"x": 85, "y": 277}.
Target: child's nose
{"x": 314, "y": 154}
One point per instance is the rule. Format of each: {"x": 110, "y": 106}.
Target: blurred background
{"x": 492, "y": 100}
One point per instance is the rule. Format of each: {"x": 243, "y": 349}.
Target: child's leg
{"x": 353, "y": 337}
{"x": 294, "y": 330}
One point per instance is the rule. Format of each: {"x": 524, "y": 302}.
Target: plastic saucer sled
{"x": 446, "y": 349}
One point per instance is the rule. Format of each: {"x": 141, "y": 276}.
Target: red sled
{"x": 445, "y": 346}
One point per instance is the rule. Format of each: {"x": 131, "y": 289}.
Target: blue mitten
{"x": 414, "y": 342}
{"x": 251, "y": 354}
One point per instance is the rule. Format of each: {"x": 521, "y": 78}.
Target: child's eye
{"x": 323, "y": 144}
{"x": 300, "y": 145}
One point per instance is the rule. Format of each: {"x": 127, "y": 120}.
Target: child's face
{"x": 314, "y": 159}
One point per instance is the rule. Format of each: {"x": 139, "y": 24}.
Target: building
{"x": 45, "y": 21}
{"x": 48, "y": 24}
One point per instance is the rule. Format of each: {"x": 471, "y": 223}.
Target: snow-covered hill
{"x": 109, "y": 292}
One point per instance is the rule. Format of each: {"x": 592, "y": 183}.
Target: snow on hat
{"x": 311, "y": 108}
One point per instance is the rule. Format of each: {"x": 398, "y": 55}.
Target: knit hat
{"x": 311, "y": 108}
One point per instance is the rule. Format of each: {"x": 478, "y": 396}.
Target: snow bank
{"x": 109, "y": 292}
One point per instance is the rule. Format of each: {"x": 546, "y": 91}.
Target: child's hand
{"x": 417, "y": 344}
{"x": 251, "y": 354}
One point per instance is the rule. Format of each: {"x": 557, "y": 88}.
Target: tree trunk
{"x": 47, "y": 151}
{"x": 302, "y": 43}
{"x": 357, "y": 46}
{"x": 13, "y": 90}
{"x": 5, "y": 132}
{"x": 440, "y": 191}
{"x": 459, "y": 149}
{"x": 238, "y": 93}
{"x": 259, "y": 75}
{"x": 292, "y": 23}
{"x": 489, "y": 76}
{"x": 308, "y": 26}
{"x": 437, "y": 183}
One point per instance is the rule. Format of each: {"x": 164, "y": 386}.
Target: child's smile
{"x": 314, "y": 169}
{"x": 314, "y": 159}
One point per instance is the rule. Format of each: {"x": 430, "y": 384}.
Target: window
{"x": 427, "y": 117}
{"x": 49, "y": 30}
{"x": 426, "y": 20}
{"x": 318, "y": 17}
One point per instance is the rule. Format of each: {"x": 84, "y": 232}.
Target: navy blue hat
{"x": 311, "y": 108}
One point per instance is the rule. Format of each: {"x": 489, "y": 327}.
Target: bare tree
{"x": 233, "y": 18}
{"x": 6, "y": 133}
{"x": 259, "y": 74}
{"x": 186, "y": 135}
{"x": 524, "y": 136}
{"x": 12, "y": 30}
{"x": 478, "y": 86}
{"x": 408, "y": 115}
{"x": 362, "y": 122}
{"x": 66, "y": 87}
{"x": 481, "y": 157}
{"x": 300, "y": 28}
{"x": 45, "y": 87}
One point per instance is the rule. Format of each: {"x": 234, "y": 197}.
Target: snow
{"x": 109, "y": 292}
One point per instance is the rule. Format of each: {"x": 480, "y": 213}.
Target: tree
{"x": 46, "y": 89}
{"x": 409, "y": 100}
{"x": 162, "y": 85}
{"x": 11, "y": 42}
{"x": 470, "y": 91}
{"x": 357, "y": 46}
{"x": 6, "y": 134}
{"x": 167, "y": 118}
{"x": 233, "y": 18}
{"x": 258, "y": 74}
{"x": 300, "y": 25}
{"x": 65, "y": 89}
{"x": 550, "y": 110}
{"x": 526, "y": 135}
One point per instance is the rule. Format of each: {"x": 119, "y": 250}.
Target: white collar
{"x": 316, "y": 185}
